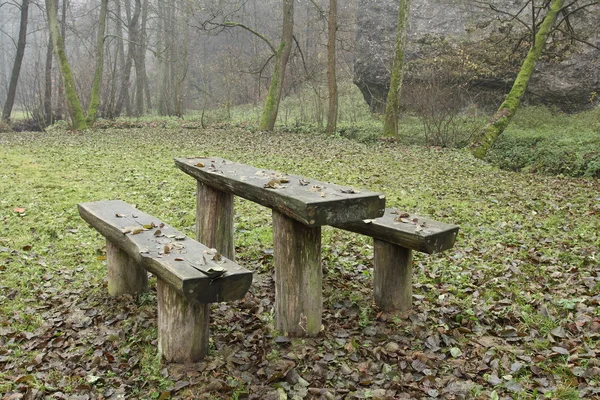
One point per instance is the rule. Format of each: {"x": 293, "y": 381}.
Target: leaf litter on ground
{"x": 511, "y": 311}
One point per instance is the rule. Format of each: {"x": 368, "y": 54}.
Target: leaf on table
{"x": 303, "y": 182}
{"x": 199, "y": 165}
{"x": 158, "y": 232}
{"x": 137, "y": 230}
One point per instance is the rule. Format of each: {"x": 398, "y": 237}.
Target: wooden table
{"x": 300, "y": 207}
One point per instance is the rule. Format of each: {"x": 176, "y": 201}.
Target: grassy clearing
{"x": 512, "y": 312}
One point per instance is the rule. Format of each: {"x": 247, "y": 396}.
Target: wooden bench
{"x": 189, "y": 274}
{"x": 300, "y": 207}
{"x": 395, "y": 236}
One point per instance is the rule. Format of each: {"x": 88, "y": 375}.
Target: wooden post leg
{"x": 187, "y": 325}
{"x": 124, "y": 274}
{"x": 392, "y": 284}
{"x": 298, "y": 276}
{"x": 214, "y": 219}
{"x": 182, "y": 326}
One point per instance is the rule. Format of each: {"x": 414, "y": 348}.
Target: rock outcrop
{"x": 487, "y": 47}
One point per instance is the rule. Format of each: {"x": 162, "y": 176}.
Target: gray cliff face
{"x": 566, "y": 82}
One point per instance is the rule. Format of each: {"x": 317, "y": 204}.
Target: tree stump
{"x": 124, "y": 274}
{"x": 392, "y": 277}
{"x": 298, "y": 276}
{"x": 183, "y": 326}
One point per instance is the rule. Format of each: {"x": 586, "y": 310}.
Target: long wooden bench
{"x": 300, "y": 207}
{"x": 395, "y": 235}
{"x": 189, "y": 274}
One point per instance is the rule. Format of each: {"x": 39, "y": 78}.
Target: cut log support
{"x": 298, "y": 276}
{"x": 183, "y": 326}
{"x": 396, "y": 234}
{"x": 214, "y": 219}
{"x": 392, "y": 276}
{"x": 125, "y": 275}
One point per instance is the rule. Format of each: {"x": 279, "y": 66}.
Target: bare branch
{"x": 230, "y": 24}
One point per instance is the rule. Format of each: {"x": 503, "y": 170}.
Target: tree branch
{"x": 230, "y": 24}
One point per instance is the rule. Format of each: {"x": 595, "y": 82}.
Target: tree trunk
{"x": 16, "y": 71}
{"x": 95, "y": 96}
{"x": 332, "y": 113}
{"x": 269, "y": 114}
{"x": 48, "y": 83}
{"x": 508, "y": 108}
{"x": 77, "y": 117}
{"x": 390, "y": 125}
{"x": 124, "y": 99}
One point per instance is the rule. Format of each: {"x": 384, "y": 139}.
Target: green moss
{"x": 390, "y": 125}
{"x": 507, "y": 109}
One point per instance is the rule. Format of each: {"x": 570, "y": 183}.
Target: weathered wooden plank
{"x": 198, "y": 273}
{"x": 298, "y": 276}
{"x": 409, "y": 231}
{"x": 312, "y": 202}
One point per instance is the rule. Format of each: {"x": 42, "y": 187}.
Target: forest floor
{"x": 512, "y": 312}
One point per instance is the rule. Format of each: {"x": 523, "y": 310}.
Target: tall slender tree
{"x": 282, "y": 54}
{"x": 16, "y": 71}
{"x": 332, "y": 113}
{"x": 390, "y": 125}
{"x": 76, "y": 112}
{"x": 500, "y": 120}
{"x": 95, "y": 95}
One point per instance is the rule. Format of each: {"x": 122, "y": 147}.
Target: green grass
{"x": 526, "y": 257}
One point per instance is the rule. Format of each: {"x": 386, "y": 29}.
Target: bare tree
{"x": 95, "y": 95}
{"x": 390, "y": 125}
{"x": 58, "y": 44}
{"x": 16, "y": 71}
{"x": 332, "y": 113}
{"x": 282, "y": 53}
{"x": 500, "y": 120}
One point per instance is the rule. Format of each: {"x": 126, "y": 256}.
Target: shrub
{"x": 4, "y": 127}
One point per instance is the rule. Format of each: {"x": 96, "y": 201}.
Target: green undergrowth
{"x": 550, "y": 142}
{"x": 520, "y": 287}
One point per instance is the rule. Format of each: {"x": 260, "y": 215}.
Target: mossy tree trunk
{"x": 332, "y": 113}
{"x": 390, "y": 125}
{"x": 95, "y": 95}
{"x": 282, "y": 54}
{"x": 77, "y": 117}
{"x": 508, "y": 108}
{"x": 16, "y": 71}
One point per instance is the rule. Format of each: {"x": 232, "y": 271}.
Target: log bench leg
{"x": 183, "y": 327}
{"x": 298, "y": 276}
{"x": 125, "y": 276}
{"x": 392, "y": 275}
{"x": 214, "y": 219}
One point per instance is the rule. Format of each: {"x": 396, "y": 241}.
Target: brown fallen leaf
{"x": 19, "y": 210}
